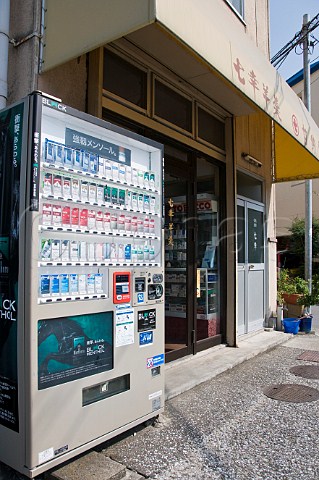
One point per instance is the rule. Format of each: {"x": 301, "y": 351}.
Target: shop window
{"x": 173, "y": 107}
{"x": 210, "y": 129}
{"x": 124, "y": 79}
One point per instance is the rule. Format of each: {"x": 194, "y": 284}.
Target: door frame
{"x": 260, "y": 207}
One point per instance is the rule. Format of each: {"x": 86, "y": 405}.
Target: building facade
{"x": 194, "y": 76}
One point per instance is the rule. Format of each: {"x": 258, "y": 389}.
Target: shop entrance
{"x": 192, "y": 299}
{"x": 251, "y": 267}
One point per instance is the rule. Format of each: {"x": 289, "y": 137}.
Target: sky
{"x": 286, "y": 18}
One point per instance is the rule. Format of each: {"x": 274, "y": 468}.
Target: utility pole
{"x": 308, "y": 184}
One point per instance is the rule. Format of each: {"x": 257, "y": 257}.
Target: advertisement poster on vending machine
{"x": 11, "y": 125}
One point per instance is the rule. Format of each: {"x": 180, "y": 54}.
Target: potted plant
{"x": 292, "y": 291}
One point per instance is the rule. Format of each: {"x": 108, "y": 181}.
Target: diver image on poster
{"x": 74, "y": 347}
{"x": 11, "y": 124}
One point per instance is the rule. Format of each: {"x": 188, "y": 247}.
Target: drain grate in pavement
{"x": 309, "y": 356}
{"x": 291, "y": 392}
{"x": 306, "y": 371}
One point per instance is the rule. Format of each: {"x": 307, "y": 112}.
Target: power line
{"x": 278, "y": 59}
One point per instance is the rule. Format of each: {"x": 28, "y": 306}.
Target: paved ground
{"x": 227, "y": 429}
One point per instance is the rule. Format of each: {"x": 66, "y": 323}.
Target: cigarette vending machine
{"x": 81, "y": 282}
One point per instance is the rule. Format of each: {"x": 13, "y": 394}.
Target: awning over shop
{"x": 203, "y": 27}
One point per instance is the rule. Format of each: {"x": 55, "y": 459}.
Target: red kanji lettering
{"x": 295, "y": 125}
{"x": 265, "y": 94}
{"x": 313, "y": 143}
{"x": 253, "y": 80}
{"x": 305, "y": 135}
{"x": 276, "y": 107}
{"x": 239, "y": 68}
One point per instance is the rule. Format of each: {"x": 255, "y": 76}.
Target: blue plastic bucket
{"x": 291, "y": 325}
{"x": 305, "y": 324}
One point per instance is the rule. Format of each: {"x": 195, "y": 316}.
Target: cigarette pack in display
{"x": 66, "y": 187}
{"x": 55, "y": 285}
{"x": 134, "y": 201}
{"x": 45, "y": 289}
{"x": 146, "y": 203}
{"x": 114, "y": 195}
{"x": 57, "y": 185}
{"x": 113, "y": 253}
{"x": 46, "y": 249}
{"x": 107, "y": 194}
{"x": 140, "y": 202}
{"x": 84, "y": 218}
{"x": 128, "y": 199}
{"x": 82, "y": 283}
{"x": 152, "y": 180}
{"x": 47, "y": 214}
{"x": 128, "y": 174}
{"x": 146, "y": 252}
{"x": 59, "y": 154}
{"x": 77, "y": 159}
{"x": 122, "y": 173}
{"x": 146, "y": 225}
{"x": 99, "y": 221}
{"x": 134, "y": 225}
{"x": 75, "y": 189}
{"x": 99, "y": 252}
{"x": 92, "y": 192}
{"x": 93, "y": 163}
{"x": 127, "y": 252}
{"x": 134, "y": 253}
{"x": 66, "y": 213}
{"x": 91, "y": 283}
{"x": 147, "y": 179}
{"x": 75, "y": 217}
{"x": 65, "y": 250}
{"x": 127, "y": 224}
{"x": 49, "y": 150}
{"x": 99, "y": 283}
{"x": 74, "y": 251}
{"x": 84, "y": 191}
{"x": 107, "y": 169}
{"x": 140, "y": 253}
{"x": 121, "y": 199}
{"x": 57, "y": 215}
{"x": 152, "y": 226}
{"x": 83, "y": 251}
{"x": 121, "y": 223}
{"x": 140, "y": 178}
{"x": 152, "y": 253}
{"x": 106, "y": 251}
{"x": 47, "y": 184}
{"x": 113, "y": 222}
{"x": 91, "y": 219}
{"x": 140, "y": 226}
{"x": 120, "y": 252}
{"x": 101, "y": 166}
{"x": 134, "y": 177}
{"x": 73, "y": 283}
{"x": 85, "y": 161}
{"x": 91, "y": 252}
{"x": 100, "y": 194}
{"x": 64, "y": 284}
{"x": 68, "y": 157}
{"x": 107, "y": 221}
{"x": 152, "y": 204}
{"x": 115, "y": 171}
{"x": 55, "y": 250}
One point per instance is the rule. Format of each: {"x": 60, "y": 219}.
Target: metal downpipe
{"x": 4, "y": 50}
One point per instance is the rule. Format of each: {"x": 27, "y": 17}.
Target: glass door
{"x": 178, "y": 261}
{"x": 207, "y": 262}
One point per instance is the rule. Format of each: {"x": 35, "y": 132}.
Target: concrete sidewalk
{"x": 180, "y": 376}
{"x": 184, "y": 374}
